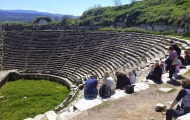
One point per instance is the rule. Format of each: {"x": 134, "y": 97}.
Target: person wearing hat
{"x": 90, "y": 87}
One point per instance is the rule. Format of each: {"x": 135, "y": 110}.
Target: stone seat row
{"x": 98, "y": 64}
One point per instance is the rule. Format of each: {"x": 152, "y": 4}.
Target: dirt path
{"x": 139, "y": 106}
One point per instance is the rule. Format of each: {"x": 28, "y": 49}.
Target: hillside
{"x": 168, "y": 12}
{"x": 24, "y": 15}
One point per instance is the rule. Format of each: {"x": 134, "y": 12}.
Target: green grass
{"x": 41, "y": 96}
{"x": 173, "y": 90}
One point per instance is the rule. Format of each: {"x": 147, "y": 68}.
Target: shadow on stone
{"x": 90, "y": 98}
{"x": 108, "y": 97}
{"x": 180, "y": 77}
{"x": 160, "y": 82}
{"x": 175, "y": 83}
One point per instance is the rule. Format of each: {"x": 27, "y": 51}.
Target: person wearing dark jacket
{"x": 178, "y": 50}
{"x": 122, "y": 81}
{"x": 157, "y": 73}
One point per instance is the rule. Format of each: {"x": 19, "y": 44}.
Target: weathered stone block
{"x": 160, "y": 107}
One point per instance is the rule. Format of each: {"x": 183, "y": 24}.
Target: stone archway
{"x": 38, "y": 19}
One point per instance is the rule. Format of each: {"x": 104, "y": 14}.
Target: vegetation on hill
{"x": 165, "y": 12}
{"x": 169, "y": 12}
{"x": 28, "y": 98}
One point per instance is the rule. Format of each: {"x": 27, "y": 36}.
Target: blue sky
{"x": 72, "y": 7}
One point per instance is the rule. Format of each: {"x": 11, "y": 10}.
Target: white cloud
{"x": 42, "y": 11}
{"x": 45, "y": 11}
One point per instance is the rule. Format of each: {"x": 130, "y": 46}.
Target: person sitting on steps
{"x": 122, "y": 81}
{"x": 131, "y": 77}
{"x": 162, "y": 66}
{"x": 90, "y": 87}
{"x": 156, "y": 74}
{"x": 183, "y": 94}
{"x": 150, "y": 74}
{"x": 109, "y": 80}
{"x": 135, "y": 73}
{"x": 187, "y": 57}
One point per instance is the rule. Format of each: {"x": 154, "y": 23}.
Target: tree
{"x": 56, "y": 19}
{"x": 117, "y": 2}
{"x": 65, "y": 19}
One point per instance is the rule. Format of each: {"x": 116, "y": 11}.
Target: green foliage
{"x": 169, "y": 12}
{"x": 41, "y": 96}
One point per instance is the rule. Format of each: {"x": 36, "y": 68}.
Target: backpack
{"x": 105, "y": 91}
{"x": 130, "y": 89}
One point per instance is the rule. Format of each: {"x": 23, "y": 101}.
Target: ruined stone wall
{"x": 160, "y": 28}
{"x": 1, "y": 49}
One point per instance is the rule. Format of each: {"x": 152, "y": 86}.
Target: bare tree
{"x": 117, "y": 2}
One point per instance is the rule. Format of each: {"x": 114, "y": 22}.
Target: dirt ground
{"x": 138, "y": 106}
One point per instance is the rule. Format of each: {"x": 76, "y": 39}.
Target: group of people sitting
{"x": 91, "y": 85}
{"x": 173, "y": 64}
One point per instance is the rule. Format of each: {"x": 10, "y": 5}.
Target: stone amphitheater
{"x": 70, "y": 57}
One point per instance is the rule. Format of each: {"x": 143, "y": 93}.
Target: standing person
{"x": 122, "y": 81}
{"x": 172, "y": 62}
{"x": 183, "y": 94}
{"x": 178, "y": 50}
{"x": 109, "y": 80}
{"x": 90, "y": 87}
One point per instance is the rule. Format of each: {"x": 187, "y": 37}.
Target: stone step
{"x": 51, "y": 115}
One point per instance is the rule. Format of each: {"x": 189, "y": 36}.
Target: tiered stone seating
{"x": 1, "y": 50}
{"x": 76, "y": 55}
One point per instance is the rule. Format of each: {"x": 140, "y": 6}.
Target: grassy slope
{"x": 41, "y": 96}
{"x": 147, "y": 11}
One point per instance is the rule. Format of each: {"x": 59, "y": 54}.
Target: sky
{"x": 70, "y": 7}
